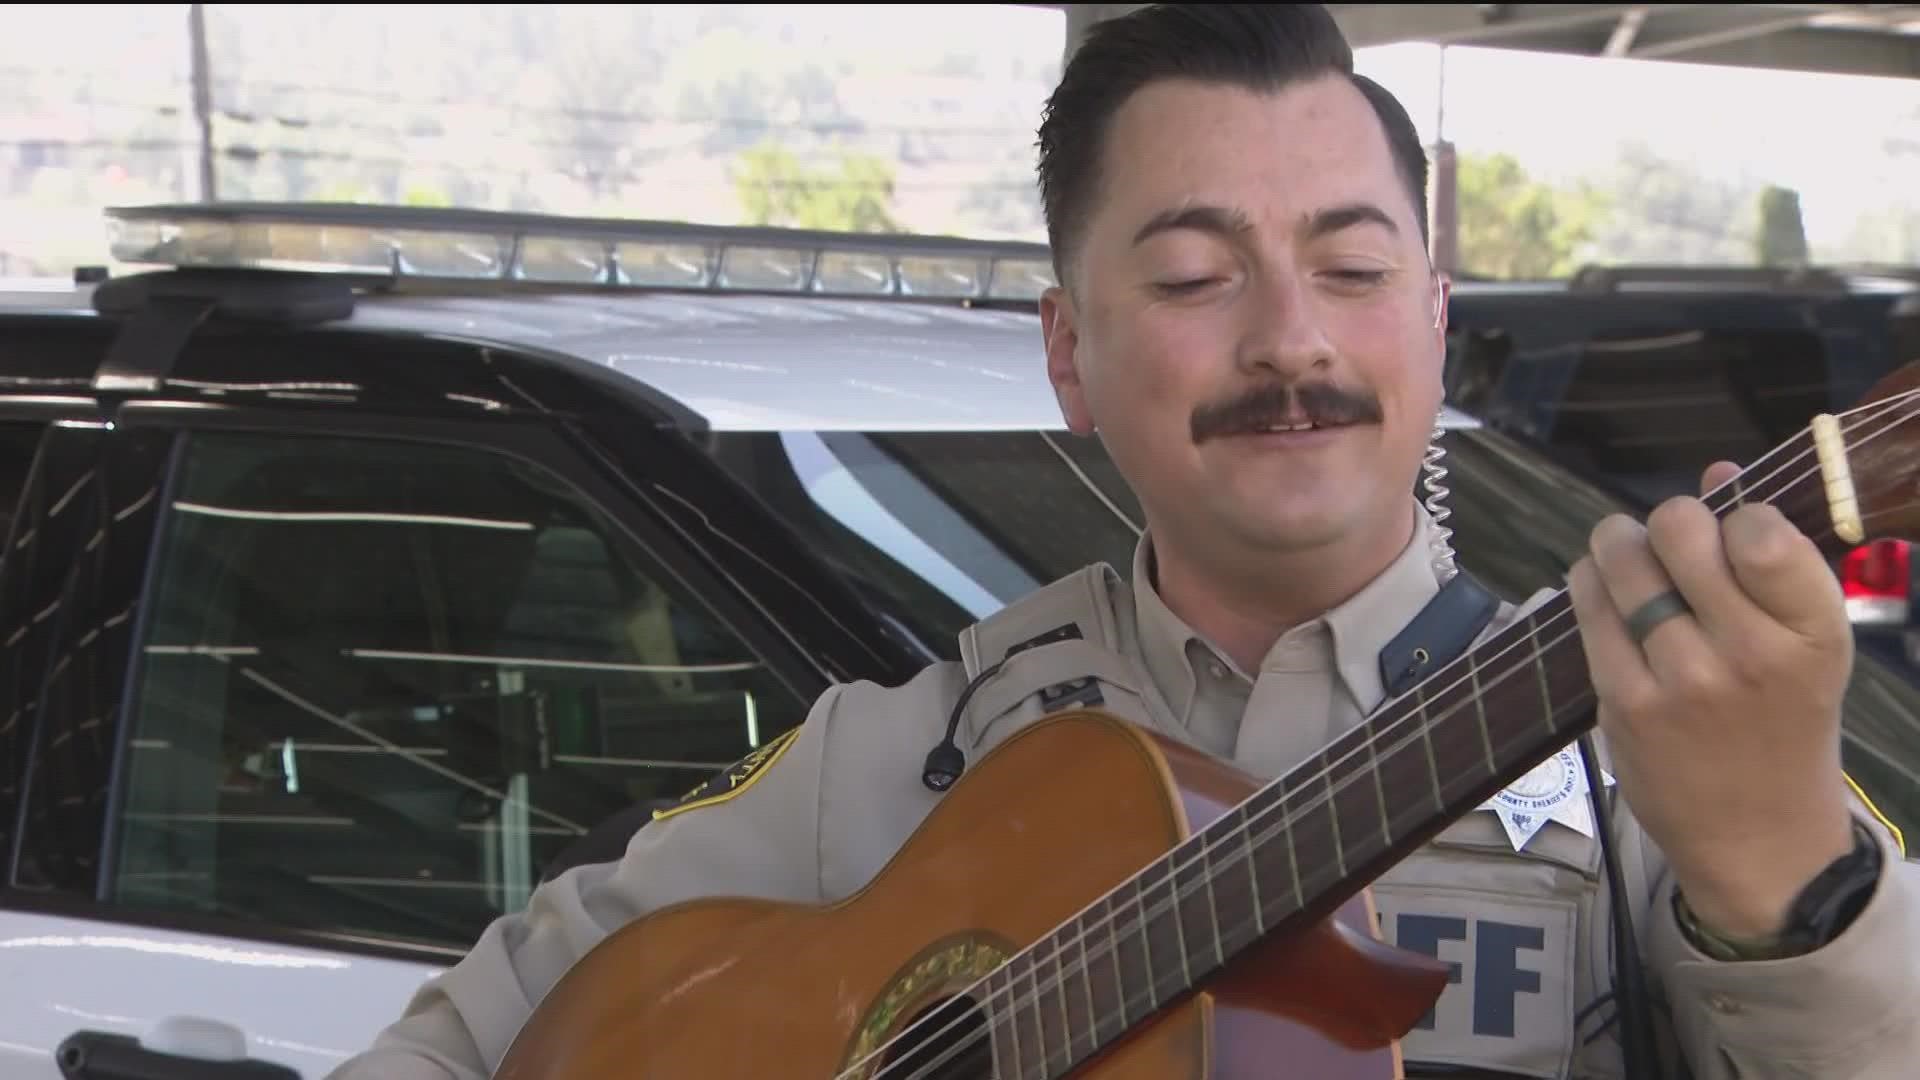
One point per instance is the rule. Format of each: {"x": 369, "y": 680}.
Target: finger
{"x": 1676, "y": 648}
{"x": 1685, "y": 538}
{"x": 1716, "y": 474}
{"x": 1615, "y": 664}
{"x": 1783, "y": 572}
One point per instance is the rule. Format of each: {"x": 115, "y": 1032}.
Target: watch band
{"x": 1822, "y": 911}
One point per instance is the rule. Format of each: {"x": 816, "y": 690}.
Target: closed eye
{"x": 1359, "y": 277}
{"x": 1181, "y": 288}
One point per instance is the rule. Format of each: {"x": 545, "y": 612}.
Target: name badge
{"x": 1508, "y": 1004}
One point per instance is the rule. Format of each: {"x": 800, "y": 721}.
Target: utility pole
{"x": 1443, "y": 211}
{"x": 202, "y": 96}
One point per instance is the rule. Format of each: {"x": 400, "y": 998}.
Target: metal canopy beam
{"x": 1840, "y": 39}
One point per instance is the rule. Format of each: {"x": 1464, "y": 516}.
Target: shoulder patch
{"x": 735, "y": 778}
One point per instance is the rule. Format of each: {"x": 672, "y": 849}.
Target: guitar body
{"x": 1047, "y": 824}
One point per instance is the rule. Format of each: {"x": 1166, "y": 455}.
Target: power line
{"x": 247, "y": 155}
{"x": 850, "y": 124}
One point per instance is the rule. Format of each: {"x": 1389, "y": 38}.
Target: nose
{"x": 1282, "y": 332}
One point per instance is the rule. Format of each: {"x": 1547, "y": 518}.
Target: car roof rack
{"x": 400, "y": 247}
{"x": 1662, "y": 278}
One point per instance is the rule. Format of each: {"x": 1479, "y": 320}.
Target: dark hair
{"x": 1258, "y": 46}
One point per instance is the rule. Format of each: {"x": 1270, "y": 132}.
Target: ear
{"x": 1058, "y": 329}
{"x": 1442, "y": 293}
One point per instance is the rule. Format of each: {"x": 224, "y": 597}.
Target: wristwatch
{"x": 1822, "y": 911}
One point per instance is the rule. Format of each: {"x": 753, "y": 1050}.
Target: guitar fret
{"x": 1540, "y": 674}
{"x": 1034, "y": 1000}
{"x": 1313, "y": 823}
{"x": 1253, "y": 872}
{"x": 1293, "y": 856}
{"x": 1060, "y": 994}
{"x": 1426, "y": 737}
{"x": 1339, "y": 850}
{"x": 1459, "y": 759}
{"x": 1050, "y": 1002}
{"x": 1167, "y": 939}
{"x": 1014, "y": 1015}
{"x": 1379, "y": 789}
{"x": 1269, "y": 847}
{"x": 1233, "y": 892}
{"x": 1181, "y": 917}
{"x": 1213, "y": 903}
{"x": 1086, "y": 981}
{"x": 1180, "y": 928}
{"x": 1480, "y": 710}
{"x": 1135, "y": 965}
{"x": 1117, "y": 1007}
{"x": 1006, "y": 1024}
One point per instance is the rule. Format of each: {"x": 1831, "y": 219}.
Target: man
{"x": 1248, "y": 319}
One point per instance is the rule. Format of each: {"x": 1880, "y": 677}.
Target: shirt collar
{"x": 1164, "y": 637}
{"x": 1359, "y": 628}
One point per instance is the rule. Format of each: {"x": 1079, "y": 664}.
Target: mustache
{"x": 1264, "y": 406}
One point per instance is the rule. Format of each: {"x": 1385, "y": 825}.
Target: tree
{"x": 1883, "y": 234}
{"x": 1662, "y": 211}
{"x": 776, "y": 189}
{"x": 1512, "y": 226}
{"x": 1783, "y": 236}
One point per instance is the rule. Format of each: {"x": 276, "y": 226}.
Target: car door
{"x": 323, "y": 699}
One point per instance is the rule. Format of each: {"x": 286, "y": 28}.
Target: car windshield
{"x": 939, "y": 529}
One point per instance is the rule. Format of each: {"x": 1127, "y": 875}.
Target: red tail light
{"x": 1874, "y": 579}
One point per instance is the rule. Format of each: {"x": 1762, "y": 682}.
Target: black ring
{"x": 1654, "y": 612}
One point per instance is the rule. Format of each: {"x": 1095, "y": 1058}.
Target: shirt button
{"x": 1218, "y": 669}
{"x": 1721, "y": 1003}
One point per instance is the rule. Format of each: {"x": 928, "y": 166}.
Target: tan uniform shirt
{"x": 1526, "y": 933}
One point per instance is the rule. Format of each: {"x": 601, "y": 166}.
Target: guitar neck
{"x": 1313, "y": 839}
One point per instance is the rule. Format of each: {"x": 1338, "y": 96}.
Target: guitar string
{"x": 1176, "y": 894}
{"x": 1879, "y": 409}
{"x": 1293, "y": 814}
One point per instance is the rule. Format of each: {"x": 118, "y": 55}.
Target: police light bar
{"x": 439, "y": 244}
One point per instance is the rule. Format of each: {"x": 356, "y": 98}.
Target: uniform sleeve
{"x": 753, "y": 831}
{"x": 1847, "y": 1011}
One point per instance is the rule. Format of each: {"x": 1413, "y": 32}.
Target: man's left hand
{"x": 1724, "y": 724}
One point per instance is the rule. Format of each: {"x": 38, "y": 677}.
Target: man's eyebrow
{"x": 1335, "y": 218}
{"x": 1227, "y": 223}
{"x": 1213, "y": 219}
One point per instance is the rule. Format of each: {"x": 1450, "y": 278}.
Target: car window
{"x": 943, "y": 528}
{"x": 384, "y": 683}
{"x": 18, "y": 441}
{"x": 1644, "y": 393}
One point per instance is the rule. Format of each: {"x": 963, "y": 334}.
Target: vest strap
{"x": 1444, "y": 629}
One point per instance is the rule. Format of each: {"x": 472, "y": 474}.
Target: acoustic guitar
{"x": 1093, "y": 900}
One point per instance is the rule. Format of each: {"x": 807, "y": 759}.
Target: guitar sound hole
{"x": 949, "y": 1041}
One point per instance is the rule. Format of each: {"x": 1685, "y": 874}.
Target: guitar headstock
{"x": 1855, "y": 476}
